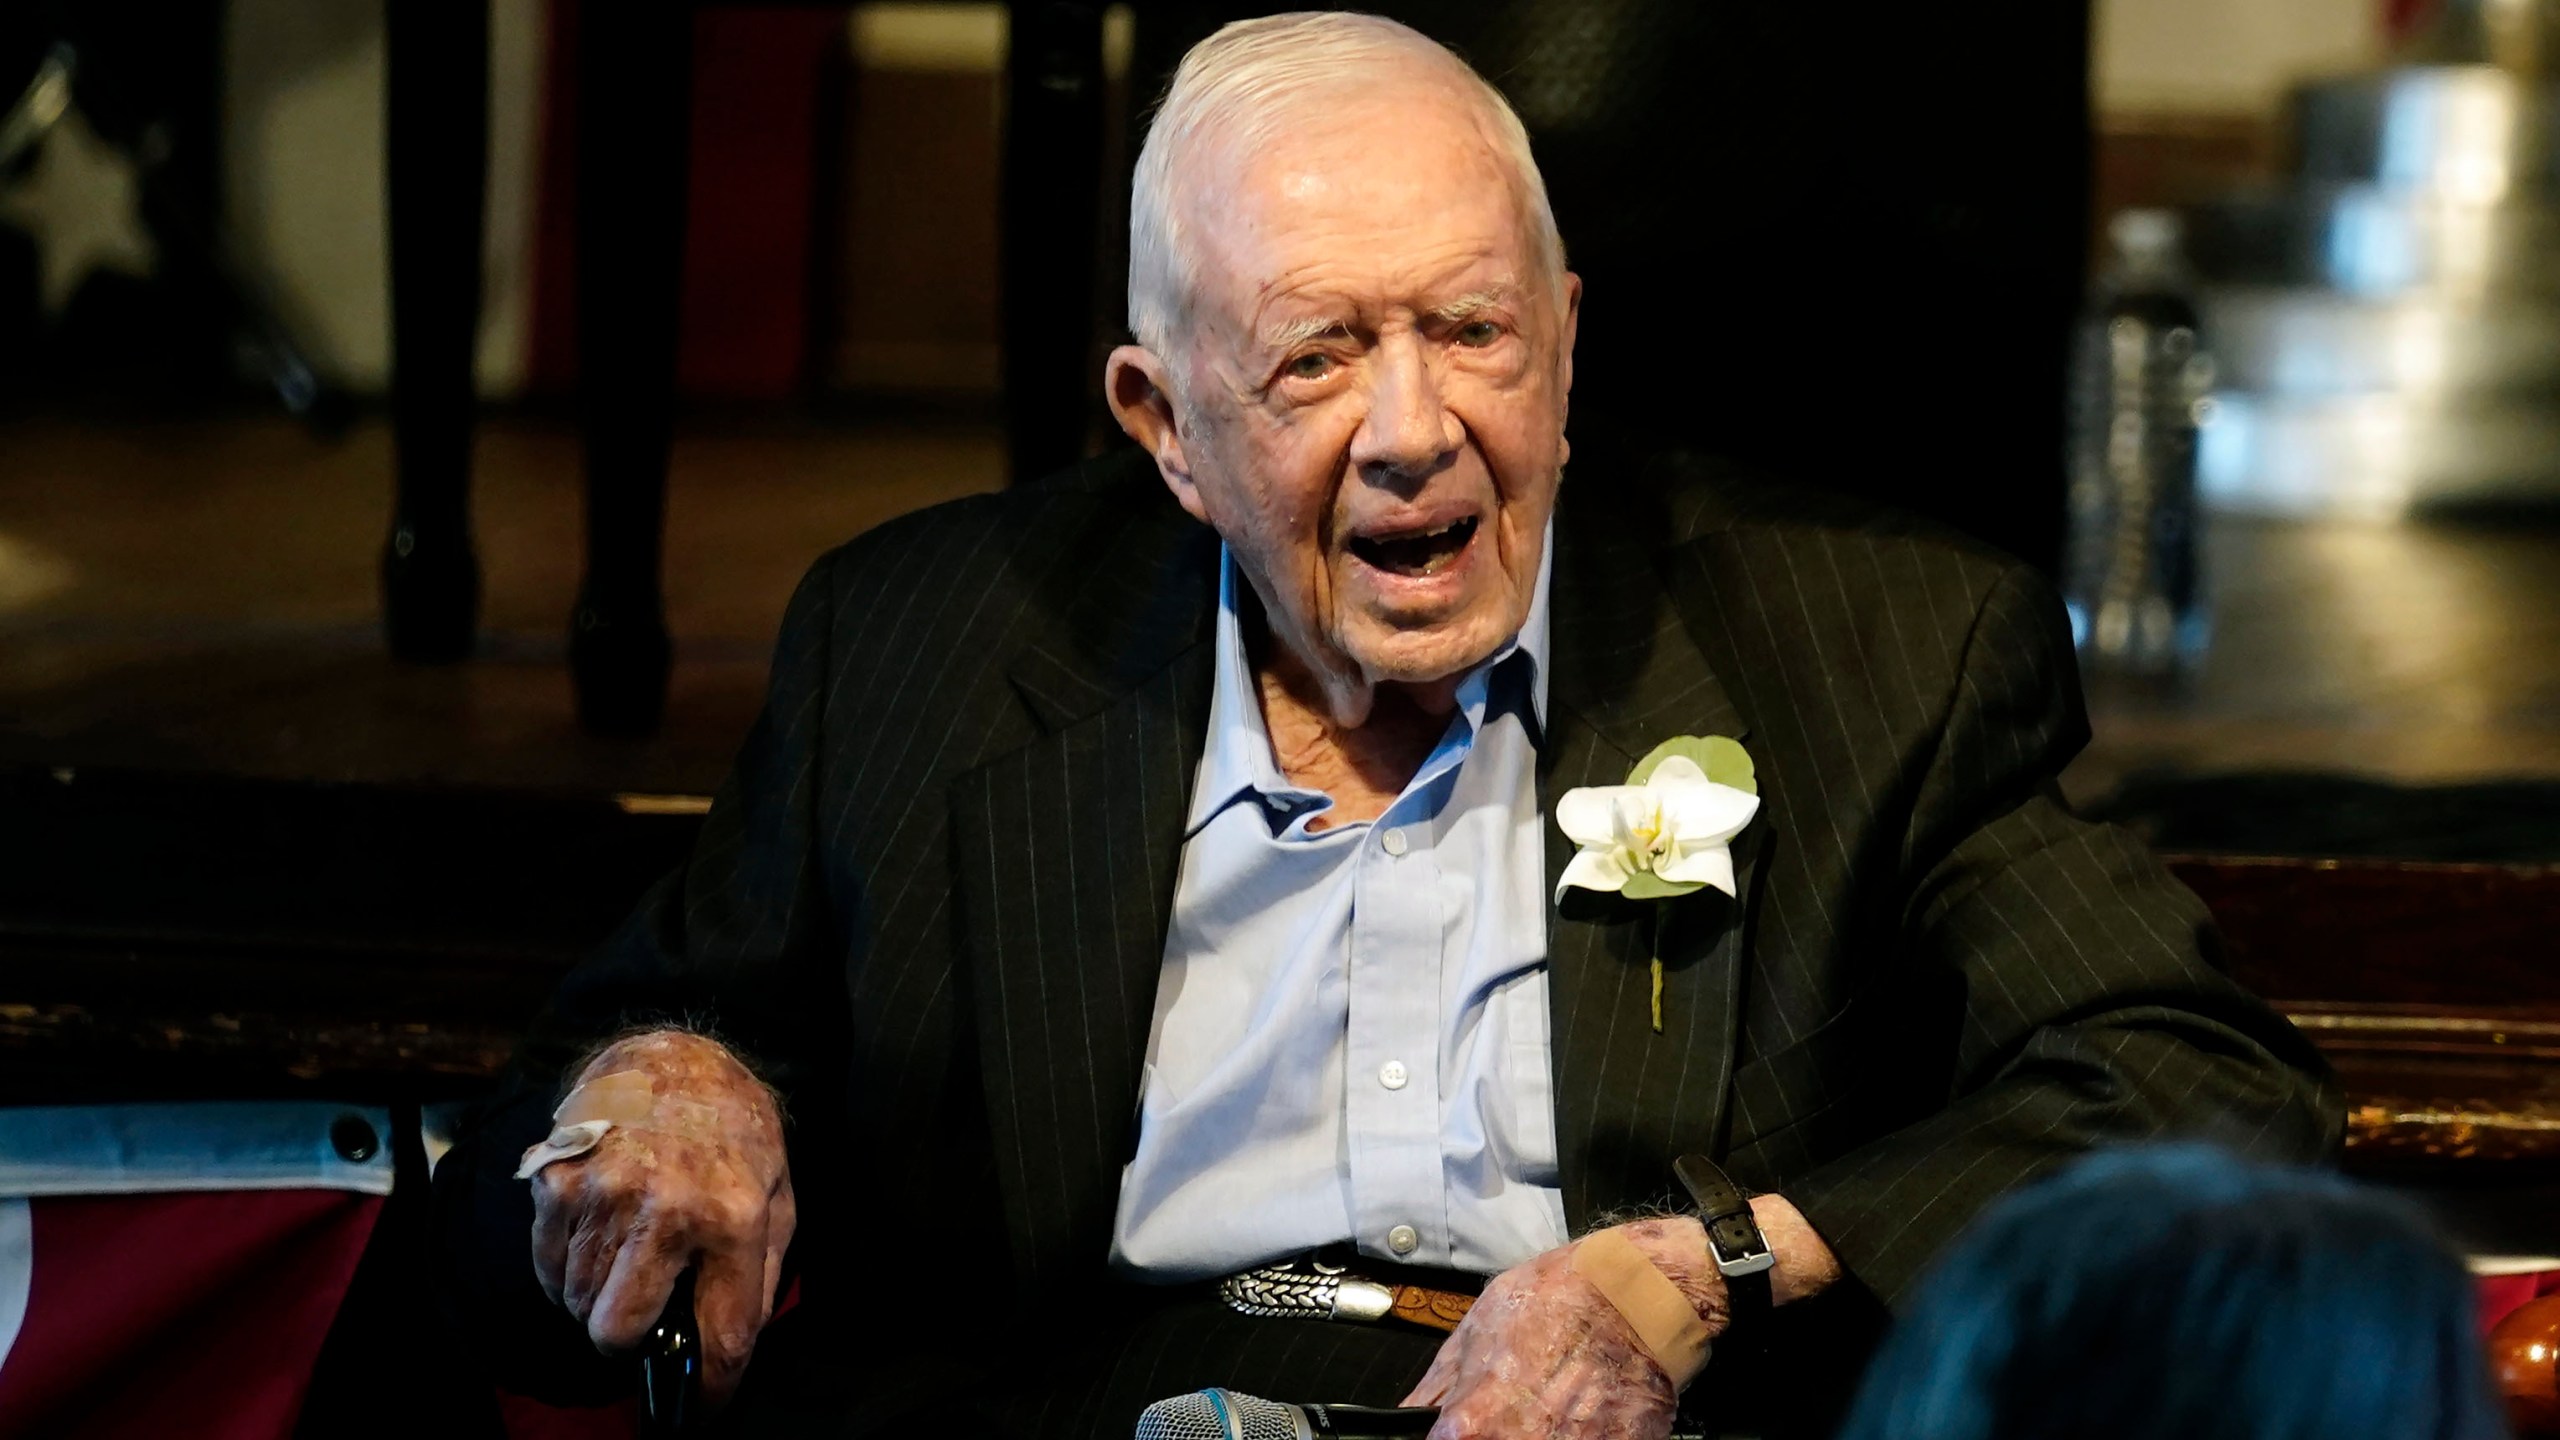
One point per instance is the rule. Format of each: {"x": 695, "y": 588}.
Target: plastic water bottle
{"x": 2139, "y": 392}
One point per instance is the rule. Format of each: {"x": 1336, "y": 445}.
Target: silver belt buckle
{"x": 1308, "y": 1289}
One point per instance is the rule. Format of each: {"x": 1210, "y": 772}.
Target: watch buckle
{"x": 1749, "y": 1262}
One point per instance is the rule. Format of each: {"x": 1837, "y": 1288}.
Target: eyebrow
{"x": 1471, "y": 304}
{"x": 1289, "y": 334}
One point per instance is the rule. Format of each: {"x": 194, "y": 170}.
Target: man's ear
{"x": 1133, "y": 381}
{"x": 1572, "y": 324}
{"x": 1564, "y": 377}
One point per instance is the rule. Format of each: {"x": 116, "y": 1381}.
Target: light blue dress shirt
{"x": 1350, "y": 1038}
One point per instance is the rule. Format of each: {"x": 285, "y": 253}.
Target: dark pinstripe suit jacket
{"x": 932, "y": 901}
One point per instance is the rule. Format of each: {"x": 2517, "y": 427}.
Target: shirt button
{"x": 1392, "y": 842}
{"x": 1403, "y": 1239}
{"x": 1392, "y": 1075}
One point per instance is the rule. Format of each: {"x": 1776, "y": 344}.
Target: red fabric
{"x": 190, "y": 1314}
{"x": 751, "y": 200}
{"x": 2502, "y": 1295}
{"x": 551, "y": 349}
{"x": 2403, "y": 19}
{"x": 750, "y": 203}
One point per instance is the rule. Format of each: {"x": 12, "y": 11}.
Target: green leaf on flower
{"x": 1725, "y": 762}
{"x": 1645, "y": 885}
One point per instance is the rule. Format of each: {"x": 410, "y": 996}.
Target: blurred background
{"x": 435, "y": 400}
{"x": 414, "y": 416}
{"x": 265, "y": 264}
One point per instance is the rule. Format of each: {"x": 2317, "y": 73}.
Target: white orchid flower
{"x": 1678, "y": 827}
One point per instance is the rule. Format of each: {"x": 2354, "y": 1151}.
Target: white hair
{"x": 1240, "y": 85}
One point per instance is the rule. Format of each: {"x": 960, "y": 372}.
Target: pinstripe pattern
{"x": 1071, "y": 902}
{"x": 1629, "y": 1101}
{"x": 933, "y": 902}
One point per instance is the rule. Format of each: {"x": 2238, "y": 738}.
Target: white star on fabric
{"x": 81, "y": 203}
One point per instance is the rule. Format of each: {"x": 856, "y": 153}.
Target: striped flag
{"x": 173, "y": 1269}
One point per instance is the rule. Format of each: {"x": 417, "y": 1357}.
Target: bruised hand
{"x": 1543, "y": 1352}
{"x": 700, "y": 1181}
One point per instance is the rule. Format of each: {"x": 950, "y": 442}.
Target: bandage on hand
{"x": 623, "y": 1098}
{"x": 580, "y": 1122}
{"x": 677, "y": 1162}
{"x": 1545, "y": 1351}
{"x": 1666, "y": 1324}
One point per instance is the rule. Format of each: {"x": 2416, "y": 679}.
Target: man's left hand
{"x": 1545, "y": 1353}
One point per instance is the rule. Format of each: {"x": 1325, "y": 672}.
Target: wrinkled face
{"x": 1371, "y": 408}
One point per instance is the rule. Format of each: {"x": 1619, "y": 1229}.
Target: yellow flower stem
{"x": 1658, "y": 912}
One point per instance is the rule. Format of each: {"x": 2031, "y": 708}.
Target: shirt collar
{"x": 1239, "y": 760}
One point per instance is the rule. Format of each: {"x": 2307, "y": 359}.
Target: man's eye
{"x": 1311, "y": 366}
{"x": 1479, "y": 333}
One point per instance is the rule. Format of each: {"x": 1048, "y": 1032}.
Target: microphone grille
{"x": 1217, "y": 1415}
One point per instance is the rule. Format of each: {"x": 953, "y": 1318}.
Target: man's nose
{"x": 1407, "y": 430}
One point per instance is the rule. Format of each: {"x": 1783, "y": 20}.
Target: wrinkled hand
{"x": 1545, "y": 1353}
{"x": 702, "y": 1181}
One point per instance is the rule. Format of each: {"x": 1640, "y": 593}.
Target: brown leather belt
{"x": 1432, "y": 1309}
{"x": 1319, "y": 1288}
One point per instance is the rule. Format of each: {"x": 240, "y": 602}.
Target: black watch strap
{"x": 1733, "y": 1236}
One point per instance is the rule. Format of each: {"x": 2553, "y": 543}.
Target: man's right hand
{"x": 701, "y": 1182}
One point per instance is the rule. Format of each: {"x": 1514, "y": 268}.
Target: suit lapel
{"x": 1065, "y": 852}
{"x": 1627, "y": 676}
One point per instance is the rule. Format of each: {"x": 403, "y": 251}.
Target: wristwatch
{"x": 1733, "y": 1237}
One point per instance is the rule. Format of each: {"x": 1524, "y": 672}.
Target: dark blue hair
{"x": 2181, "y": 1293}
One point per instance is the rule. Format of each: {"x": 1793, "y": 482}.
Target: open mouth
{"x": 1418, "y": 553}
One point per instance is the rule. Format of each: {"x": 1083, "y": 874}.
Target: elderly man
{"x": 1151, "y": 875}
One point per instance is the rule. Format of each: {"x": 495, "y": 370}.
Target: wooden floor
{"x": 200, "y": 595}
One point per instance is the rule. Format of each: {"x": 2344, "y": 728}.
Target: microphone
{"x": 1226, "y": 1415}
